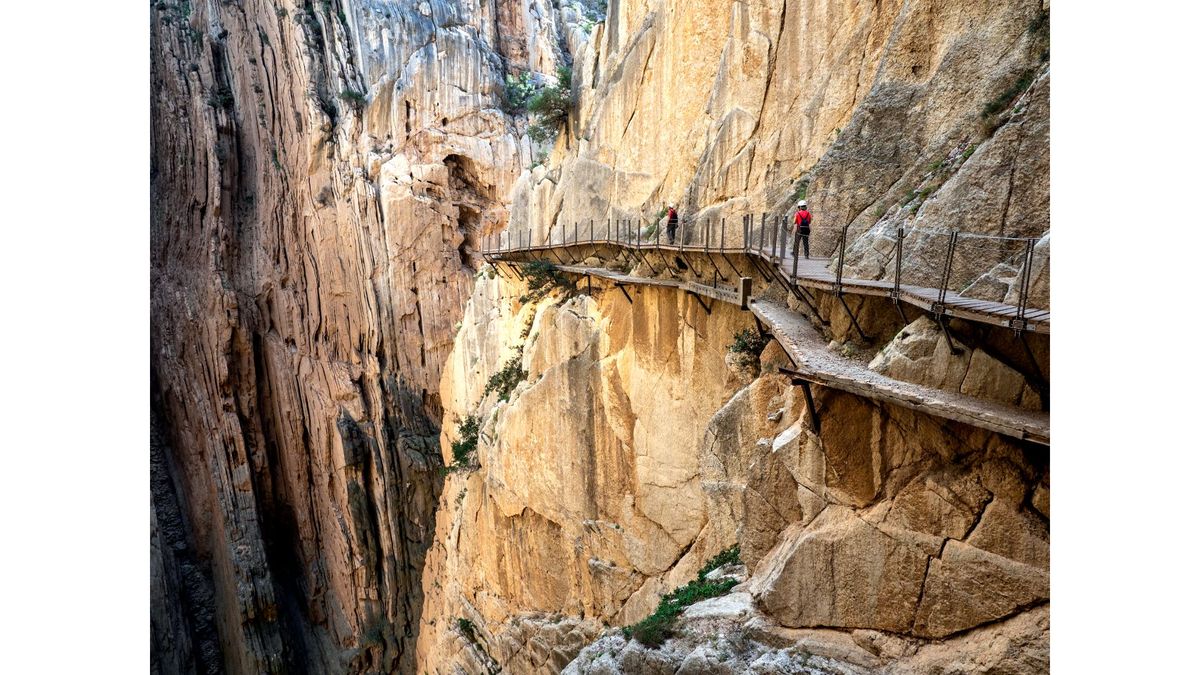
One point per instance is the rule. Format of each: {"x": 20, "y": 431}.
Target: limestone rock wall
{"x": 322, "y": 176}
{"x": 630, "y": 454}
{"x": 322, "y": 173}
{"x": 916, "y": 113}
{"x": 590, "y": 497}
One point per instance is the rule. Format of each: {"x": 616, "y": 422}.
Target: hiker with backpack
{"x": 672, "y": 223}
{"x": 803, "y": 225}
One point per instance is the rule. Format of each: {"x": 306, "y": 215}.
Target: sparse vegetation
{"x": 1009, "y": 95}
{"x": 968, "y": 152}
{"x": 656, "y": 628}
{"x": 517, "y": 91}
{"x": 466, "y": 628}
{"x": 551, "y": 105}
{"x": 730, "y": 556}
{"x": 354, "y": 98}
{"x": 506, "y": 379}
{"x": 750, "y": 342}
{"x": 541, "y": 278}
{"x": 220, "y": 98}
{"x": 466, "y": 445}
{"x": 801, "y": 191}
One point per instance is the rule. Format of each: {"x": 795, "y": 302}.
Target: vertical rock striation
{"x": 322, "y": 176}
{"x": 322, "y": 173}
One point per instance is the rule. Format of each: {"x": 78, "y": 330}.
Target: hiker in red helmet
{"x": 803, "y": 223}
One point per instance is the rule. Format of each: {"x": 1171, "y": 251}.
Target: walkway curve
{"x": 815, "y": 363}
{"x": 773, "y": 260}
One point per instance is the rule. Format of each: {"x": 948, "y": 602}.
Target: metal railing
{"x": 932, "y": 264}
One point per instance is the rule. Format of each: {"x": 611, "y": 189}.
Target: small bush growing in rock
{"x": 551, "y": 105}
{"x": 507, "y": 379}
{"x": 467, "y": 443}
{"x": 656, "y": 628}
{"x": 466, "y": 628}
{"x": 541, "y": 278}
{"x": 730, "y": 556}
{"x": 750, "y": 342}
{"x": 353, "y": 97}
{"x": 517, "y": 91}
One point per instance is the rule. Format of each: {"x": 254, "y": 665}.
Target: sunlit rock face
{"x": 323, "y": 175}
{"x": 629, "y": 453}
{"x": 896, "y": 114}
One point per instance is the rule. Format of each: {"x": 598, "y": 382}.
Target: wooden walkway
{"x": 813, "y": 273}
{"x": 815, "y": 363}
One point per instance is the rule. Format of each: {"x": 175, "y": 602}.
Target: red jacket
{"x": 803, "y": 219}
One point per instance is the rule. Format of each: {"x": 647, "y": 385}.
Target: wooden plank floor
{"x": 810, "y": 270}
{"x": 815, "y": 273}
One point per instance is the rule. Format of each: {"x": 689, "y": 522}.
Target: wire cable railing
{"x": 968, "y": 269}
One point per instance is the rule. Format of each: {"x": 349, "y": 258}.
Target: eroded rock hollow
{"x": 325, "y": 179}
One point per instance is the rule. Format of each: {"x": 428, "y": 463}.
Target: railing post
{"x": 722, "y": 234}
{"x": 608, "y": 231}
{"x": 945, "y": 285}
{"x": 706, "y": 228}
{"x": 577, "y": 232}
{"x": 774, "y": 239}
{"x": 746, "y": 232}
{"x": 1023, "y": 301}
{"x": 899, "y": 262}
{"x": 795, "y": 253}
{"x": 639, "y": 233}
{"x": 591, "y": 231}
{"x": 762, "y": 233}
{"x": 841, "y": 259}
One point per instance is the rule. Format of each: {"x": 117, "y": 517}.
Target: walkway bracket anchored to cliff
{"x": 799, "y": 379}
{"x": 803, "y": 343}
{"x": 707, "y": 308}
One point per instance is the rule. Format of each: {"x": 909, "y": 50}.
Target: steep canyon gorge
{"x": 325, "y": 177}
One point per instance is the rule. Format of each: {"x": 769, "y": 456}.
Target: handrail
{"x": 772, "y": 247}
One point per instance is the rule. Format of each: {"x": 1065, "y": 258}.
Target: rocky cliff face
{"x": 629, "y": 454}
{"x": 920, "y": 114}
{"x": 322, "y": 175}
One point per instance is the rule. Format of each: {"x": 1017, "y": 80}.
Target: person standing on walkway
{"x": 672, "y": 223}
{"x": 803, "y": 225}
